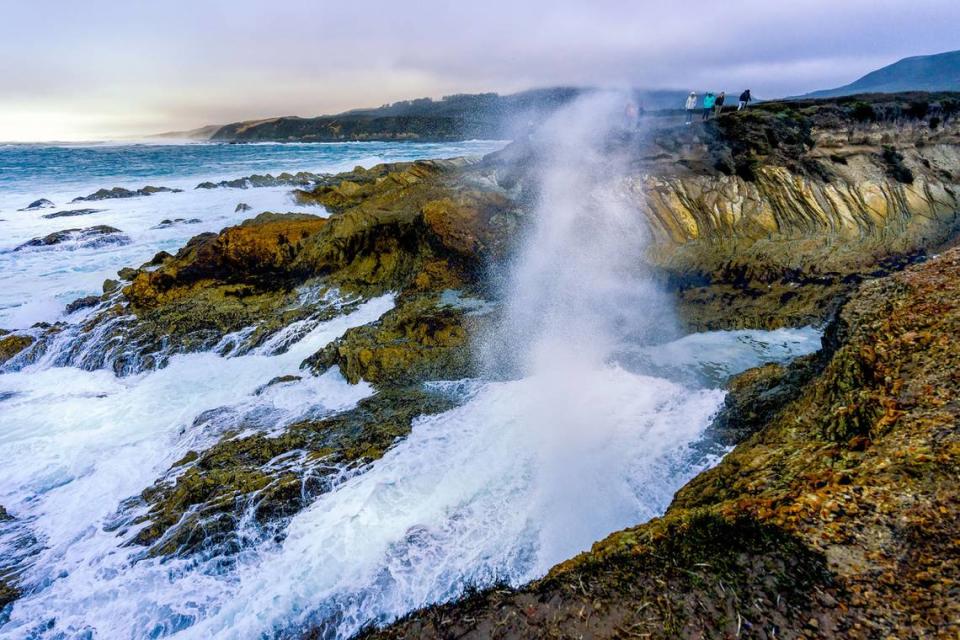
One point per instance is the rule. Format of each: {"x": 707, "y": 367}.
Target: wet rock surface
{"x": 836, "y": 518}
{"x": 11, "y": 344}
{"x": 70, "y": 213}
{"x": 299, "y": 179}
{"x": 270, "y": 478}
{"x": 42, "y": 203}
{"x": 167, "y": 222}
{"x": 120, "y": 192}
{"x": 97, "y": 236}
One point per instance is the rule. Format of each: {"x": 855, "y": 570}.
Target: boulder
{"x": 83, "y": 303}
{"x": 13, "y": 343}
{"x": 120, "y": 192}
{"x": 89, "y": 237}
{"x": 42, "y": 203}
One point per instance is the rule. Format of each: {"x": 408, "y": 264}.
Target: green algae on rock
{"x": 13, "y": 343}
{"x": 418, "y": 340}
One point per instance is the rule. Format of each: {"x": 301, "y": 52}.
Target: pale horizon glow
{"x": 105, "y": 70}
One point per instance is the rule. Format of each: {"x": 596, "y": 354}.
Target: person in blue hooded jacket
{"x": 708, "y": 101}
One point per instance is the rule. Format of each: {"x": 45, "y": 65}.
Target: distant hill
{"x": 202, "y": 133}
{"x": 455, "y": 117}
{"x": 940, "y": 72}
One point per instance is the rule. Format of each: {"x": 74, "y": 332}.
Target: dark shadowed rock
{"x": 89, "y": 237}
{"x": 243, "y": 206}
{"x": 120, "y": 192}
{"x": 299, "y": 179}
{"x": 72, "y": 213}
{"x": 176, "y": 221}
{"x": 83, "y": 303}
{"x": 42, "y": 203}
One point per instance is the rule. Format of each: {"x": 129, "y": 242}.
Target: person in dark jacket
{"x": 718, "y": 105}
{"x": 744, "y": 100}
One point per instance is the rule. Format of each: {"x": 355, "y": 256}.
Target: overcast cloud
{"x": 95, "y": 69}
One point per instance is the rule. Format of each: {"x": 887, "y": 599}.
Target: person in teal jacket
{"x": 708, "y": 101}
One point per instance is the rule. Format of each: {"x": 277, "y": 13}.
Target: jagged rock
{"x": 176, "y": 221}
{"x": 127, "y": 273}
{"x": 836, "y": 518}
{"x": 72, "y": 213}
{"x": 287, "y": 379}
{"x": 243, "y": 206}
{"x": 42, "y": 203}
{"x": 83, "y": 303}
{"x": 89, "y": 237}
{"x": 217, "y": 483}
{"x": 120, "y": 192}
{"x": 12, "y": 343}
{"x": 299, "y": 179}
{"x": 265, "y": 246}
{"x": 417, "y": 341}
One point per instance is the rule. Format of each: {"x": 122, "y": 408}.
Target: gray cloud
{"x": 102, "y": 68}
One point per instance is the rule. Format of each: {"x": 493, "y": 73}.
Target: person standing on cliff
{"x": 718, "y": 105}
{"x": 691, "y": 105}
{"x": 708, "y": 101}
{"x": 744, "y": 100}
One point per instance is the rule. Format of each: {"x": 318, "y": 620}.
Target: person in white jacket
{"x": 691, "y": 106}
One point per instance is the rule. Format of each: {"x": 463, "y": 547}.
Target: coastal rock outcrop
{"x": 272, "y": 477}
{"x": 42, "y": 203}
{"x": 89, "y": 237}
{"x": 13, "y": 343}
{"x": 120, "y": 192}
{"x": 71, "y": 213}
{"x": 837, "y": 518}
{"x": 299, "y": 179}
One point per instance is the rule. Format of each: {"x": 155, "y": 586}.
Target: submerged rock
{"x": 90, "y": 237}
{"x": 120, "y": 192}
{"x": 835, "y": 518}
{"x": 243, "y": 206}
{"x": 42, "y": 203}
{"x": 176, "y": 221}
{"x": 72, "y": 213}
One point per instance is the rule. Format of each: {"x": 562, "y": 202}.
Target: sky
{"x": 93, "y": 69}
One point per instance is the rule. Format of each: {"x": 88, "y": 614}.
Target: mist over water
{"x": 581, "y": 426}
{"x": 531, "y": 469}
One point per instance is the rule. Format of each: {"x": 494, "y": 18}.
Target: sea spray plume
{"x": 577, "y": 294}
{"x": 577, "y": 289}
{"x": 528, "y": 471}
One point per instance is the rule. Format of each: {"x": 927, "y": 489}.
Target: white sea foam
{"x": 76, "y": 443}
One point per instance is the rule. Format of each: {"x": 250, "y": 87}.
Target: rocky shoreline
{"x": 834, "y": 516}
